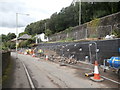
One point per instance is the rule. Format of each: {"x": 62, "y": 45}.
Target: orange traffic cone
{"x": 96, "y": 73}
{"x": 25, "y": 53}
{"x": 19, "y": 52}
{"x": 33, "y": 55}
{"x": 22, "y": 52}
{"x": 46, "y": 58}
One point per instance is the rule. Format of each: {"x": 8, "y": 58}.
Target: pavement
{"x": 47, "y": 74}
{"x": 17, "y": 77}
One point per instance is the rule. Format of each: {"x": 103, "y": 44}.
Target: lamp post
{"x": 17, "y": 31}
{"x": 79, "y": 12}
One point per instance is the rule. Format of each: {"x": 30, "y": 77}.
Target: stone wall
{"x": 97, "y": 28}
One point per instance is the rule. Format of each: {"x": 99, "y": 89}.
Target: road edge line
{"x": 29, "y": 78}
{"x": 110, "y": 80}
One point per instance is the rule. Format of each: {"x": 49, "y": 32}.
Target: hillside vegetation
{"x": 69, "y": 17}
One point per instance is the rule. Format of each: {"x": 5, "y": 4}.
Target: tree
{"x": 69, "y": 16}
{"x": 22, "y": 33}
{"x": 11, "y": 45}
{"x": 26, "y": 43}
{"x": 11, "y": 36}
{"x": 48, "y": 32}
{"x": 4, "y": 38}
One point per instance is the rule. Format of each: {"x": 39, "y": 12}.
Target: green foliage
{"x": 70, "y": 39}
{"x": 37, "y": 27}
{"x": 4, "y": 48}
{"x": 22, "y": 33}
{"x": 8, "y": 37}
{"x": 67, "y": 40}
{"x": 23, "y": 44}
{"x": 48, "y": 32}
{"x": 93, "y": 36}
{"x": 6, "y": 73}
{"x": 26, "y": 43}
{"x": 4, "y": 38}
{"x": 11, "y": 36}
{"x": 6, "y": 44}
{"x": 94, "y": 23}
{"x": 69, "y": 17}
{"x": 116, "y": 32}
{"x": 68, "y": 30}
{"x": 11, "y": 45}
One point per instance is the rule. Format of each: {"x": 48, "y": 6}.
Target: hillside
{"x": 69, "y": 16}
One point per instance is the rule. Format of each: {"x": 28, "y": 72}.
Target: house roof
{"x": 24, "y": 37}
{"x": 39, "y": 35}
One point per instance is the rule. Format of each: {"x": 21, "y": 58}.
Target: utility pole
{"x": 79, "y": 1}
{"x": 45, "y": 26}
{"x": 17, "y": 32}
{"x": 79, "y": 12}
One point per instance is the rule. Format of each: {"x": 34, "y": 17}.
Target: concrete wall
{"x": 107, "y": 49}
{"x": 5, "y": 60}
{"x": 97, "y": 28}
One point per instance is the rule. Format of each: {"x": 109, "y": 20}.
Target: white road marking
{"x": 110, "y": 80}
{"x": 29, "y": 78}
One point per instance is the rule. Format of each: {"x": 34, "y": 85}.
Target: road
{"x": 47, "y": 74}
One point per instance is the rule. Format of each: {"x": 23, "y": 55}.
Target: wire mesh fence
{"x": 83, "y": 32}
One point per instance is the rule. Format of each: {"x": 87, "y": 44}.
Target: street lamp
{"x": 17, "y": 30}
{"x": 79, "y": 12}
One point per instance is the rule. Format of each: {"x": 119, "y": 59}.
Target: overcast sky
{"x": 38, "y": 10}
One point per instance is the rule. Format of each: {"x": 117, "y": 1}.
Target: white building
{"x": 41, "y": 37}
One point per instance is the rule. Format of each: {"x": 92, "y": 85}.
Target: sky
{"x": 37, "y": 10}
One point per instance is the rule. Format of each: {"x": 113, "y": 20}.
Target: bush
{"x": 116, "y": 32}
{"x": 23, "y": 44}
{"x": 26, "y": 43}
{"x": 13, "y": 45}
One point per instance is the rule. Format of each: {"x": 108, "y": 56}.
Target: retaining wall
{"x": 5, "y": 59}
{"x": 97, "y": 28}
{"x": 79, "y": 50}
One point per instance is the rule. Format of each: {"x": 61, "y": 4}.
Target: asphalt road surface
{"x": 47, "y": 74}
